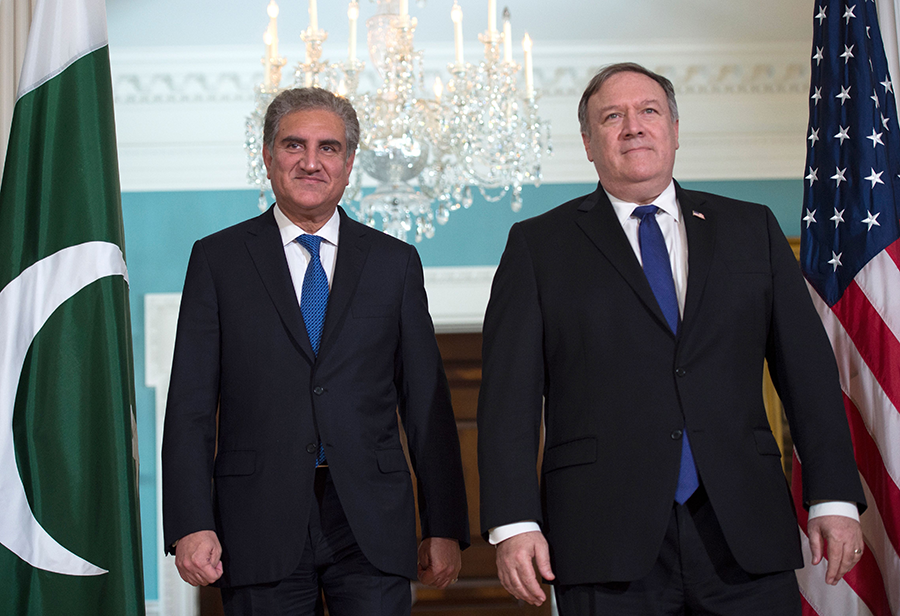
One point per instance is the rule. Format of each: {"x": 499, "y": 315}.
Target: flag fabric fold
{"x": 850, "y": 256}
{"x": 69, "y": 520}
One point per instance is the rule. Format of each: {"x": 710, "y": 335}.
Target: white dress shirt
{"x": 672, "y": 226}
{"x": 298, "y": 257}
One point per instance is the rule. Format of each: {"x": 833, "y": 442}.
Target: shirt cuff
{"x": 842, "y": 508}
{"x": 502, "y": 533}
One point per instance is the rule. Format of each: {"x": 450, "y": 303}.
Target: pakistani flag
{"x": 69, "y": 525}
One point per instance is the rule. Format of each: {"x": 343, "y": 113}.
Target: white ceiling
{"x": 155, "y": 23}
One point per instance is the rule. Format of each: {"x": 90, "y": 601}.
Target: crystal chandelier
{"x": 477, "y": 131}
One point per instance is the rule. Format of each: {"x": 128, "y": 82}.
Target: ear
{"x": 350, "y": 160}
{"x": 587, "y": 146}
{"x": 267, "y": 160}
{"x": 676, "y": 134}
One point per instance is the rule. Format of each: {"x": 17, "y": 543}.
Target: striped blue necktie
{"x": 314, "y": 302}
{"x": 658, "y": 269}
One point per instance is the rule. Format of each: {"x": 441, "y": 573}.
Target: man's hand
{"x": 842, "y": 537}
{"x": 197, "y": 557}
{"x": 516, "y": 571}
{"x": 439, "y": 561}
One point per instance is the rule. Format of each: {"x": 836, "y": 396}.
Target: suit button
{"x": 680, "y": 372}
{"x": 311, "y": 448}
{"x": 319, "y": 391}
{"x": 676, "y": 435}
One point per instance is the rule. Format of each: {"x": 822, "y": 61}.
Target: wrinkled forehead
{"x": 628, "y": 87}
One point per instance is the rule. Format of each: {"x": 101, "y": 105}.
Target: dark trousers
{"x": 333, "y": 564}
{"x": 694, "y": 574}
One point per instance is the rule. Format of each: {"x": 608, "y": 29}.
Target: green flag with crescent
{"x": 69, "y": 520}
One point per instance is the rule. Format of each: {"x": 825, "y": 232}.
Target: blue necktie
{"x": 314, "y": 302}
{"x": 658, "y": 270}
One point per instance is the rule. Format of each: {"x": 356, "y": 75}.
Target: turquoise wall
{"x": 160, "y": 228}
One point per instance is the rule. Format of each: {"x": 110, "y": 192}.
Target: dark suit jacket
{"x": 242, "y": 347}
{"x": 573, "y": 322}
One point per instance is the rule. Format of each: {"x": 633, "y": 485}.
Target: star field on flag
{"x": 853, "y": 141}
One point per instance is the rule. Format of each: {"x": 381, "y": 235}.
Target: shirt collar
{"x": 666, "y": 201}
{"x": 290, "y": 232}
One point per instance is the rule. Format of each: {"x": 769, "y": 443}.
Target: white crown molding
{"x": 180, "y": 111}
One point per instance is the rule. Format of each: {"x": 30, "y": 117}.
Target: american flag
{"x": 850, "y": 255}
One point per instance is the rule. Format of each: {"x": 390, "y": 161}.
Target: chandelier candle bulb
{"x": 404, "y": 8}
{"x": 353, "y": 14}
{"x": 313, "y": 16}
{"x": 529, "y": 69}
{"x": 267, "y": 73}
{"x": 492, "y": 17}
{"x": 456, "y": 15}
{"x": 438, "y": 88}
{"x": 507, "y": 37}
{"x": 272, "y": 10}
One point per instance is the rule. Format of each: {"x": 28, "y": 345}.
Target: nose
{"x": 310, "y": 160}
{"x": 632, "y": 126}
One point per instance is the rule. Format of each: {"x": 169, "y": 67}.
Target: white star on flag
{"x": 839, "y": 175}
{"x": 819, "y": 55}
{"x": 809, "y": 218}
{"x": 871, "y": 220}
{"x": 876, "y": 138}
{"x": 835, "y": 260}
{"x": 813, "y": 175}
{"x": 848, "y": 53}
{"x": 843, "y": 133}
{"x": 848, "y": 13}
{"x": 838, "y": 217}
{"x": 875, "y": 178}
{"x": 844, "y": 95}
{"x": 821, "y": 14}
{"x": 813, "y": 136}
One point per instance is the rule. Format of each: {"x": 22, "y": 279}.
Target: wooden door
{"x": 478, "y": 591}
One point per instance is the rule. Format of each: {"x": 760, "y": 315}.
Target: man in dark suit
{"x": 301, "y": 335}
{"x": 639, "y": 335}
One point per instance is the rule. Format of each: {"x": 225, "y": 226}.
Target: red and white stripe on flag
{"x": 864, "y": 328}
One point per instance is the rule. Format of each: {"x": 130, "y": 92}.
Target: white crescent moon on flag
{"x": 25, "y": 305}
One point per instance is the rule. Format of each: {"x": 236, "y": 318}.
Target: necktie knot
{"x": 311, "y": 243}
{"x": 642, "y": 211}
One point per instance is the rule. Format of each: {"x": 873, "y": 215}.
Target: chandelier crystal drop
{"x": 425, "y": 153}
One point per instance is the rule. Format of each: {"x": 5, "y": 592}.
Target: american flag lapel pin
{"x": 698, "y": 214}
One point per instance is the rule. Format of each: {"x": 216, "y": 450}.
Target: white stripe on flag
{"x": 858, "y": 382}
{"x": 880, "y": 282}
{"x": 880, "y": 546}
{"x": 62, "y": 31}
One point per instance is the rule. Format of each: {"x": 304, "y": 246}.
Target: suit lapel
{"x": 353, "y": 248}
{"x": 700, "y": 227}
{"x": 265, "y": 248}
{"x": 597, "y": 218}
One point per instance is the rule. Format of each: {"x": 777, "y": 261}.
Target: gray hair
{"x": 613, "y": 69}
{"x": 305, "y": 99}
